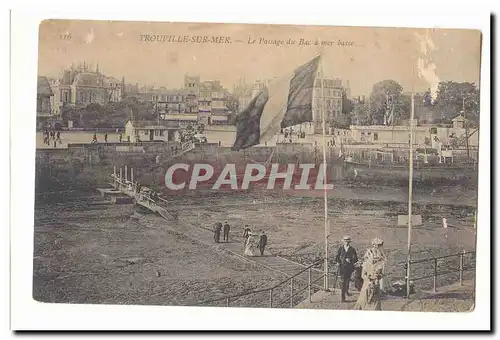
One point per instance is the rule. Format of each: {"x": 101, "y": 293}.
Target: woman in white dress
{"x": 252, "y": 244}
{"x": 370, "y": 296}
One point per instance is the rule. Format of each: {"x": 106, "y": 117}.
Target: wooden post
{"x": 114, "y": 172}
{"x": 291, "y": 292}
{"x": 270, "y": 298}
{"x": 462, "y": 267}
{"x": 309, "y": 283}
{"x": 435, "y": 274}
{"x": 126, "y": 173}
{"x": 132, "y": 175}
{"x": 121, "y": 176}
{"x": 227, "y": 302}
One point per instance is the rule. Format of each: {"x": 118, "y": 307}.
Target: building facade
{"x": 80, "y": 86}
{"x": 44, "y": 95}
{"x": 331, "y": 99}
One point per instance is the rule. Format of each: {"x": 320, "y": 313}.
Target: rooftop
{"x": 152, "y": 124}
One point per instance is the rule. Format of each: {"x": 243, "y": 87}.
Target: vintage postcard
{"x": 262, "y": 166}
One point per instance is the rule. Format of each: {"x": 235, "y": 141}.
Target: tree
{"x": 453, "y": 97}
{"x": 347, "y": 104}
{"x": 233, "y": 106}
{"x": 385, "y": 94}
{"x": 360, "y": 114}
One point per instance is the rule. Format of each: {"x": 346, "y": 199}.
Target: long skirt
{"x": 370, "y": 297}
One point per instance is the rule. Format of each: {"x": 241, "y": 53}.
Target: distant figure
{"x": 219, "y": 143}
{"x": 106, "y": 137}
{"x": 262, "y": 243}
{"x": 246, "y": 231}
{"x": 226, "y": 231}
{"x": 128, "y": 139}
{"x": 94, "y": 138}
{"x": 172, "y": 149}
{"x": 120, "y": 138}
{"x": 346, "y": 258}
{"x": 217, "y": 230}
{"x": 55, "y": 143}
{"x": 176, "y": 149}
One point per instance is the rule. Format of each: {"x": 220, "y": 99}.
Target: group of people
{"x": 369, "y": 273}
{"x": 52, "y": 136}
{"x": 255, "y": 243}
{"x": 225, "y": 230}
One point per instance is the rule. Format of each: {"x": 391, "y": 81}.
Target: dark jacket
{"x": 226, "y": 228}
{"x": 263, "y": 240}
{"x": 346, "y": 267}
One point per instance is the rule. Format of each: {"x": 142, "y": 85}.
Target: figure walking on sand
{"x": 251, "y": 244}
{"x": 226, "y": 232}
{"x": 262, "y": 242}
{"x": 370, "y": 296}
{"x": 217, "y": 230}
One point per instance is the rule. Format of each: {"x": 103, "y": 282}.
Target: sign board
{"x": 129, "y": 149}
{"x": 416, "y": 220}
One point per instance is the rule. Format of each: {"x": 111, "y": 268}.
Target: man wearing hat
{"x": 346, "y": 258}
{"x": 226, "y": 232}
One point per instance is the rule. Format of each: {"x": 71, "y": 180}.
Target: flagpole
{"x": 410, "y": 188}
{"x": 324, "y": 172}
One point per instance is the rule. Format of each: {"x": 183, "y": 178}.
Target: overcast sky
{"x": 375, "y": 53}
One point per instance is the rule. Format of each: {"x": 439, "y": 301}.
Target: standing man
{"x": 106, "y": 137}
{"x": 262, "y": 242}
{"x": 226, "y": 231}
{"x": 120, "y": 137}
{"x": 346, "y": 258}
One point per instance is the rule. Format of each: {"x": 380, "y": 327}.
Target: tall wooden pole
{"x": 325, "y": 194}
{"x": 410, "y": 190}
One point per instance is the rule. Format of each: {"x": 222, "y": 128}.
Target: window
{"x": 434, "y": 131}
{"x": 375, "y": 136}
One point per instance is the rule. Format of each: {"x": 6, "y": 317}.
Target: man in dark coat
{"x": 262, "y": 243}
{"x": 226, "y": 231}
{"x": 346, "y": 258}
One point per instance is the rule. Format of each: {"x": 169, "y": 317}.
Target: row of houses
{"x": 330, "y": 96}
{"x": 81, "y": 85}
{"x": 434, "y": 136}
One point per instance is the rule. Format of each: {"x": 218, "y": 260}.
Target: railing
{"x": 438, "y": 267}
{"x": 462, "y": 267}
{"x": 288, "y": 301}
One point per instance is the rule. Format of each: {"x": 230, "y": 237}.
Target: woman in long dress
{"x": 370, "y": 296}
{"x": 251, "y": 245}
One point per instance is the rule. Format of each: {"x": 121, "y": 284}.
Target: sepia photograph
{"x": 270, "y": 166}
{"x": 256, "y": 167}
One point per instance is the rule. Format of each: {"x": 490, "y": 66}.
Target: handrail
{"x": 461, "y": 269}
{"x": 261, "y": 290}
{"x": 442, "y": 257}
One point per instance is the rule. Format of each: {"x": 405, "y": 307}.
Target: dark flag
{"x": 248, "y": 122}
{"x": 299, "y": 108}
{"x": 286, "y": 101}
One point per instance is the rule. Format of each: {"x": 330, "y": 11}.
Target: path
{"x": 452, "y": 298}
{"x": 235, "y": 246}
